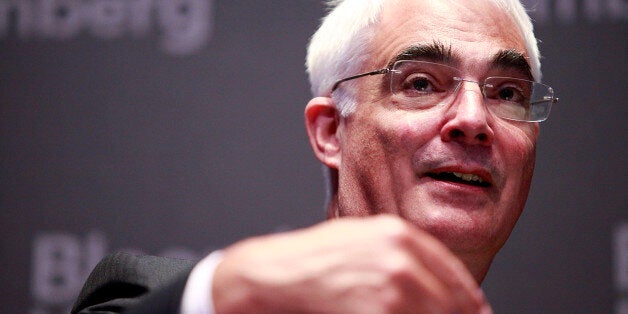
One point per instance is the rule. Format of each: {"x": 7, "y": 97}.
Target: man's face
{"x": 402, "y": 161}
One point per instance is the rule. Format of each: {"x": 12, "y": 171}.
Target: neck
{"x": 333, "y": 212}
{"x": 478, "y": 266}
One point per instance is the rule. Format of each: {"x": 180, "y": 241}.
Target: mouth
{"x": 459, "y": 177}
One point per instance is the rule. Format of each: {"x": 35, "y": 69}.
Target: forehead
{"x": 474, "y": 30}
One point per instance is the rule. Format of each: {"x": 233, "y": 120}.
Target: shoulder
{"x": 144, "y": 268}
{"x": 121, "y": 281}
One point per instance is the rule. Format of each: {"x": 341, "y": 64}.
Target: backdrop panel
{"x": 175, "y": 128}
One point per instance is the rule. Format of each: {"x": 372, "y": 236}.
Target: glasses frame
{"x": 553, "y": 100}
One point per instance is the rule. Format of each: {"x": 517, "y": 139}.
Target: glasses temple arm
{"x": 381, "y": 71}
{"x": 554, "y": 100}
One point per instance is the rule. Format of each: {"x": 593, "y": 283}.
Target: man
{"x": 426, "y": 118}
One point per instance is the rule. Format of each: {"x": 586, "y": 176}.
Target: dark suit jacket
{"x": 134, "y": 284}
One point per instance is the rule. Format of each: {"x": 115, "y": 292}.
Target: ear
{"x": 321, "y": 122}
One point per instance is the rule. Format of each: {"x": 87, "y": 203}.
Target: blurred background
{"x": 174, "y": 128}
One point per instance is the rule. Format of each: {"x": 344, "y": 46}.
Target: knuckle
{"x": 478, "y": 301}
{"x": 399, "y": 233}
{"x": 399, "y": 272}
{"x": 391, "y": 300}
{"x": 396, "y": 270}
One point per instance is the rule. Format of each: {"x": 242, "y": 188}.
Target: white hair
{"x": 341, "y": 45}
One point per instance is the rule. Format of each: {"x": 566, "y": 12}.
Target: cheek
{"x": 519, "y": 154}
{"x": 383, "y": 144}
{"x": 406, "y": 132}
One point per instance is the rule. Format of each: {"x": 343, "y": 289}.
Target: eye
{"x": 508, "y": 93}
{"x": 510, "y": 90}
{"x": 421, "y": 84}
{"x": 418, "y": 83}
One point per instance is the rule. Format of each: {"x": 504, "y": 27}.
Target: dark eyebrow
{"x": 434, "y": 52}
{"x": 512, "y": 59}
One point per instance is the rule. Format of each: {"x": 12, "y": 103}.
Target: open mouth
{"x": 458, "y": 177}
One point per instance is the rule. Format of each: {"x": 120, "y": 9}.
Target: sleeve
{"x": 197, "y": 294}
{"x": 128, "y": 283}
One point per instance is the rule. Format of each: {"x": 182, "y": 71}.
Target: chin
{"x": 462, "y": 229}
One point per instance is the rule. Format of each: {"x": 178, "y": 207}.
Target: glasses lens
{"x": 518, "y": 99}
{"x": 420, "y": 84}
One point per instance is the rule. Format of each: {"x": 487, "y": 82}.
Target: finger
{"x": 462, "y": 289}
{"x": 424, "y": 292}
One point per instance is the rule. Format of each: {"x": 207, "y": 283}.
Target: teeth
{"x": 468, "y": 177}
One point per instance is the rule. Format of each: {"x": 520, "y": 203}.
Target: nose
{"x": 467, "y": 117}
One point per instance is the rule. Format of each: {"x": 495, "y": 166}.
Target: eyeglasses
{"x": 422, "y": 85}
